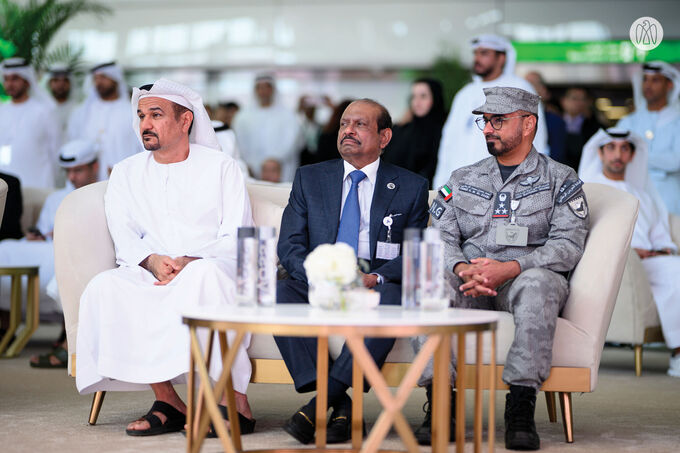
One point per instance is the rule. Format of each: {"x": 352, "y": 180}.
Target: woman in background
{"x": 415, "y": 144}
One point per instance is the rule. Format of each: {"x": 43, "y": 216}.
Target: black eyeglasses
{"x": 496, "y": 121}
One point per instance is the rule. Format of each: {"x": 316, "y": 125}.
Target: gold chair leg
{"x": 32, "y": 315}
{"x": 552, "y": 407}
{"x": 97, "y": 401}
{"x": 638, "y": 359}
{"x": 567, "y": 416}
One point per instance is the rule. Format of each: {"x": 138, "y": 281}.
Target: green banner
{"x": 595, "y": 52}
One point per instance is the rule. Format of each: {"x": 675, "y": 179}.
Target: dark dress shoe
{"x": 301, "y": 427}
{"x": 339, "y": 428}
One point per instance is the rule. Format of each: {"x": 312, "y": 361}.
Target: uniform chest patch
{"x": 530, "y": 180}
{"x": 475, "y": 191}
{"x": 501, "y": 207}
{"x": 437, "y": 209}
{"x": 533, "y": 190}
{"x": 579, "y": 207}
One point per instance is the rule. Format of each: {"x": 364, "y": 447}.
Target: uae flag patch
{"x": 446, "y": 193}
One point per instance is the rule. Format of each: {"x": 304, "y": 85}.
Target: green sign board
{"x": 595, "y": 52}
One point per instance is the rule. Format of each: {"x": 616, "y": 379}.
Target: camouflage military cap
{"x": 502, "y": 100}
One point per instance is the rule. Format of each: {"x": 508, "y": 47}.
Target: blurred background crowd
{"x": 277, "y": 75}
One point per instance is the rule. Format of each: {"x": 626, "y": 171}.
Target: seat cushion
{"x": 568, "y": 347}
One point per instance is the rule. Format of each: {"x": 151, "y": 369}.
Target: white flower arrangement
{"x": 335, "y": 263}
{"x": 334, "y": 279}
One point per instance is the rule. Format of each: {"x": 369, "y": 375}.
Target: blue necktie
{"x": 348, "y": 231}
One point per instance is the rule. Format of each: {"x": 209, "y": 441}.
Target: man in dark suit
{"x": 348, "y": 201}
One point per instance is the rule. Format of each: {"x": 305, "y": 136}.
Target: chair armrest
{"x": 82, "y": 249}
{"x": 635, "y": 309}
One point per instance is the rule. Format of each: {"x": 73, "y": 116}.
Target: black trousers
{"x": 300, "y": 353}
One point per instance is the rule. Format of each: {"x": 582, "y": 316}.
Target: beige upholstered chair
{"x": 635, "y": 320}
{"x": 32, "y": 199}
{"x": 83, "y": 248}
{"x": 3, "y": 197}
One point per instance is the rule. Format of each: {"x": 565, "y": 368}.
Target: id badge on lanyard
{"x": 512, "y": 234}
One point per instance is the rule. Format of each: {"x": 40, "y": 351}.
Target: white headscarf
{"x": 113, "y": 72}
{"x": 19, "y": 66}
{"x": 665, "y": 70}
{"x": 590, "y": 167}
{"x": 78, "y": 152}
{"x": 499, "y": 44}
{"x": 202, "y": 132}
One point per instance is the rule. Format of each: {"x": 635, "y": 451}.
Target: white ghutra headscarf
{"x": 202, "y": 132}
{"x": 636, "y": 174}
{"x": 20, "y": 67}
{"x": 499, "y": 44}
{"x": 657, "y": 67}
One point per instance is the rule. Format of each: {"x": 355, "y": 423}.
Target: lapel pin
{"x": 391, "y": 186}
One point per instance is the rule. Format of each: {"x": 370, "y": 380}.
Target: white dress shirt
{"x": 366, "y": 187}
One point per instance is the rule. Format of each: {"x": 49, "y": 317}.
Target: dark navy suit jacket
{"x": 313, "y": 213}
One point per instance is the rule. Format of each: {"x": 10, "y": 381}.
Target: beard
{"x": 106, "y": 91}
{"x": 151, "y": 145}
{"x": 500, "y": 147}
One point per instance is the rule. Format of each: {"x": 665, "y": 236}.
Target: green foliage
{"x": 32, "y": 26}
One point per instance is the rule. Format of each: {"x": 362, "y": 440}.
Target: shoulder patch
{"x": 569, "y": 188}
{"x": 446, "y": 192}
{"x": 579, "y": 207}
{"x": 437, "y": 209}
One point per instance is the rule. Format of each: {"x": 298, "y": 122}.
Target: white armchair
{"x": 635, "y": 320}
{"x": 83, "y": 248}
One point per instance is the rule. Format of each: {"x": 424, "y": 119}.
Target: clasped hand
{"x": 165, "y": 268}
{"x": 484, "y": 275}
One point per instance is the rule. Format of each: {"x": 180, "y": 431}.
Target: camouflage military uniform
{"x": 553, "y": 207}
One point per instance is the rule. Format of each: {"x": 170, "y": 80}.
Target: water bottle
{"x": 431, "y": 281}
{"x": 246, "y": 267}
{"x": 409, "y": 269}
{"x": 266, "y": 266}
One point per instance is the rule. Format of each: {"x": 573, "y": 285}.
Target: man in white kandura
{"x": 618, "y": 158}
{"x": 461, "y": 143}
{"x": 104, "y": 118}
{"x": 656, "y": 118}
{"x": 29, "y": 130}
{"x": 59, "y": 82}
{"x": 173, "y": 214}
{"x": 268, "y": 129}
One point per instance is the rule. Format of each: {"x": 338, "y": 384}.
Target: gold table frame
{"x": 32, "y": 309}
{"x": 438, "y": 346}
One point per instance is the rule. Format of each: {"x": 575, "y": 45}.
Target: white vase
{"x": 325, "y": 294}
{"x": 361, "y": 299}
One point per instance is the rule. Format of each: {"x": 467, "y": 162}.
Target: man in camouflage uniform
{"x": 513, "y": 226}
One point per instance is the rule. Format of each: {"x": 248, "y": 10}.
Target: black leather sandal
{"x": 174, "y": 422}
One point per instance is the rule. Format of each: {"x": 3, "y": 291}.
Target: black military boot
{"x": 424, "y": 432}
{"x": 520, "y": 429}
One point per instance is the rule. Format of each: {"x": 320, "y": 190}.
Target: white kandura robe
{"x": 462, "y": 142}
{"x": 21, "y": 252}
{"x": 131, "y": 332}
{"x": 664, "y": 149}
{"x": 29, "y": 142}
{"x": 268, "y": 132}
{"x": 652, "y": 232}
{"x": 64, "y": 110}
{"x": 109, "y": 124}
